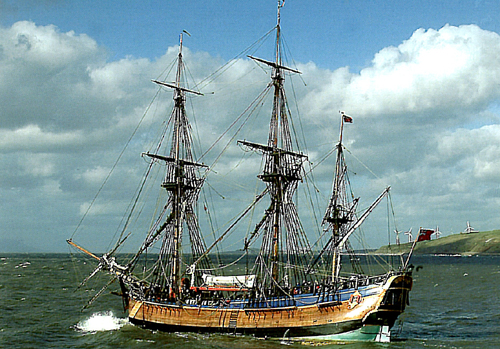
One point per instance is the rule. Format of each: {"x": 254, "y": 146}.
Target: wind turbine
{"x": 409, "y": 234}
{"x": 469, "y": 229}
{"x": 397, "y": 237}
{"x": 437, "y": 232}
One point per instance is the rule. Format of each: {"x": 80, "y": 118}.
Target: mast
{"x": 183, "y": 186}
{"x": 337, "y": 220}
{"x": 273, "y": 141}
{"x": 283, "y": 239}
{"x": 179, "y": 99}
{"x": 339, "y": 214}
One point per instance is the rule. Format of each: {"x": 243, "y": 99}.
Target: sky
{"x": 421, "y": 80}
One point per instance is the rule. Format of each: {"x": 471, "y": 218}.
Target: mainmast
{"x": 283, "y": 239}
{"x": 179, "y": 99}
{"x": 273, "y": 142}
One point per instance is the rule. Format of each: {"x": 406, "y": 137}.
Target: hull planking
{"x": 358, "y": 314}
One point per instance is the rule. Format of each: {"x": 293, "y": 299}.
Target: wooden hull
{"x": 373, "y": 305}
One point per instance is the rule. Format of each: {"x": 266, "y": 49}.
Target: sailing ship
{"x": 292, "y": 289}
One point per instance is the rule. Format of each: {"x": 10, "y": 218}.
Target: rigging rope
{"x": 254, "y": 104}
{"x": 231, "y": 62}
{"x": 114, "y": 166}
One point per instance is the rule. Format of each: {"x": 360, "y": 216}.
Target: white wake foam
{"x": 106, "y": 321}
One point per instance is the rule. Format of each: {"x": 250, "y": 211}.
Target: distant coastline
{"x": 482, "y": 243}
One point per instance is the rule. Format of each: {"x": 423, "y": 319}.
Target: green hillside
{"x": 487, "y": 242}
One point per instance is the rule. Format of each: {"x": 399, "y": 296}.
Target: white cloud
{"x": 93, "y": 209}
{"x": 95, "y": 175}
{"x": 32, "y": 138}
{"x": 475, "y": 150}
{"x": 25, "y": 42}
{"x": 424, "y": 122}
{"x": 434, "y": 70}
{"x": 37, "y": 165}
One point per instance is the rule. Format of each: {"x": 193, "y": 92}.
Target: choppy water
{"x": 455, "y": 303}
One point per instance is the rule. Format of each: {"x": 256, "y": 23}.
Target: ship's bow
{"x": 392, "y": 304}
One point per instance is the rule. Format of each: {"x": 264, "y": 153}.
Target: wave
{"x": 102, "y": 321}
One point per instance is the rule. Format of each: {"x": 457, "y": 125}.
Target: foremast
{"x": 284, "y": 244}
{"x": 165, "y": 279}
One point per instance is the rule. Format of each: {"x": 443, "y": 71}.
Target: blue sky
{"x": 420, "y": 78}
{"x": 339, "y": 33}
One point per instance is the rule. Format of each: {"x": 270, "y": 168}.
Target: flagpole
{"x": 341, "y": 127}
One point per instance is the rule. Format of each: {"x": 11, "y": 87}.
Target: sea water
{"x": 455, "y": 303}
